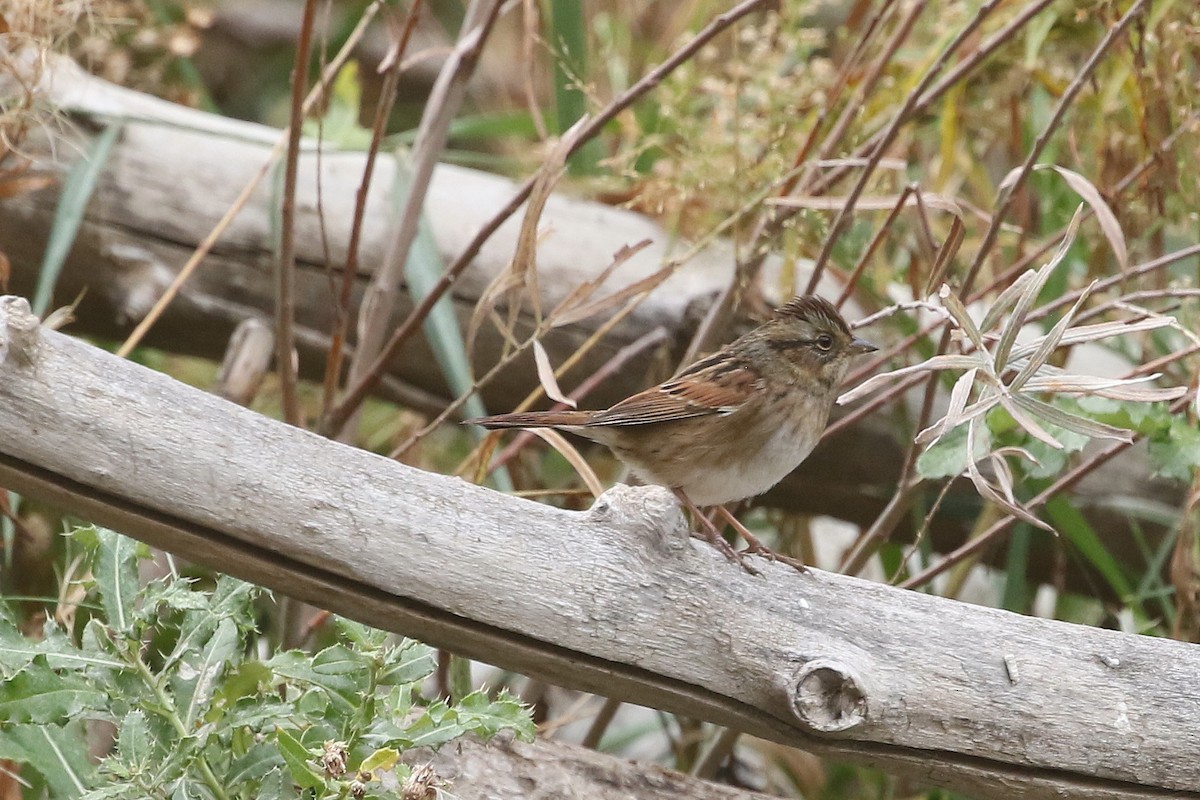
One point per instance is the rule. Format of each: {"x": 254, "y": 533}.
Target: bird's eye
{"x": 825, "y": 341}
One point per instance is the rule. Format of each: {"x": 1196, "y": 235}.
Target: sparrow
{"x": 731, "y": 425}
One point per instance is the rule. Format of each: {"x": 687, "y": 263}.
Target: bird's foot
{"x": 755, "y": 545}
{"x": 713, "y": 536}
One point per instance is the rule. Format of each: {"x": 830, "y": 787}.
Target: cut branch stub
{"x": 247, "y": 360}
{"x": 652, "y": 511}
{"x": 829, "y": 696}
{"x": 18, "y": 331}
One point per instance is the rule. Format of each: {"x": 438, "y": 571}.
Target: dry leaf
{"x": 1109, "y": 225}
{"x": 988, "y": 492}
{"x": 64, "y": 315}
{"x": 524, "y": 263}
{"x": 617, "y": 298}
{"x": 577, "y": 296}
{"x": 546, "y": 377}
{"x": 519, "y": 279}
{"x": 1090, "y": 195}
{"x": 946, "y": 254}
{"x": 867, "y": 203}
{"x": 1012, "y": 404}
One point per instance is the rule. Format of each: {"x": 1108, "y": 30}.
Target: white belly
{"x": 754, "y": 474}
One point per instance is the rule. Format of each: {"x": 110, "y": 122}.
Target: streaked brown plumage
{"x": 733, "y": 424}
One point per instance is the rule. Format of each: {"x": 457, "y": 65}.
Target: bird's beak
{"x": 860, "y": 346}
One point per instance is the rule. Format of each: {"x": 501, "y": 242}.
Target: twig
{"x": 445, "y": 99}
{"x": 600, "y": 724}
{"x": 285, "y": 268}
{"x": 393, "y": 64}
{"x": 1160, "y": 363}
{"x": 851, "y": 109}
{"x": 717, "y": 754}
{"x": 876, "y": 241}
{"x": 1043, "y": 139}
{"x": 924, "y": 529}
{"x": 889, "y": 135}
{"x": 868, "y": 408}
{"x": 879, "y": 531}
{"x": 950, "y": 79}
{"x": 834, "y": 95}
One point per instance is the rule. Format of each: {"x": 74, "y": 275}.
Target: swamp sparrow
{"x": 733, "y": 424}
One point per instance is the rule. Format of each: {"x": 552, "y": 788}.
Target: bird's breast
{"x": 760, "y": 455}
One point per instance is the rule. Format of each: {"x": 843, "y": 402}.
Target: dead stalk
{"x": 285, "y": 267}
{"x": 387, "y": 97}
{"x": 446, "y": 98}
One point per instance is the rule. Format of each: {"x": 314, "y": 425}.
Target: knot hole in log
{"x": 829, "y": 697}
{"x": 18, "y": 330}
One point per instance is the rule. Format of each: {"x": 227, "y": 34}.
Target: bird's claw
{"x": 727, "y": 550}
{"x": 759, "y": 549}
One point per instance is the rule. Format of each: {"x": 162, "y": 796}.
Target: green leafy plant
{"x": 175, "y": 669}
{"x": 1000, "y": 376}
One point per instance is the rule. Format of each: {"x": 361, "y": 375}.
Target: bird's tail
{"x": 534, "y": 419}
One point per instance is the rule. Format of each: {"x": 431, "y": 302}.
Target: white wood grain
{"x": 618, "y": 600}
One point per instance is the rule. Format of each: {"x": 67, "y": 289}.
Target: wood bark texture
{"x": 174, "y": 171}
{"x": 547, "y": 770}
{"x": 618, "y": 600}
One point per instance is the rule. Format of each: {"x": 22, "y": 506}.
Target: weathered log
{"x": 549, "y": 770}
{"x": 618, "y": 599}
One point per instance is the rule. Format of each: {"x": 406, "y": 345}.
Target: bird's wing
{"x": 718, "y": 384}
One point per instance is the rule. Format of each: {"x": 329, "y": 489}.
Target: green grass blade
{"x": 1016, "y": 585}
{"x": 424, "y": 268}
{"x": 1071, "y": 524}
{"x": 568, "y": 36}
{"x": 77, "y": 190}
